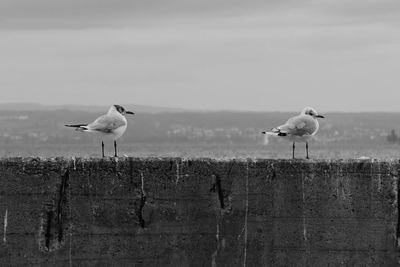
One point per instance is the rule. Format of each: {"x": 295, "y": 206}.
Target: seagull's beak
{"x": 129, "y": 112}
{"x": 320, "y": 116}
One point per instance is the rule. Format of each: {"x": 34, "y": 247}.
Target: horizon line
{"x": 178, "y": 109}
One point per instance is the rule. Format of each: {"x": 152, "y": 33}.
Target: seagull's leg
{"x": 293, "y": 149}
{"x": 307, "y": 150}
{"x": 102, "y": 148}
{"x": 115, "y": 148}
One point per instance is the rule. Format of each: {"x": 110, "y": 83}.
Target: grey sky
{"x": 247, "y": 55}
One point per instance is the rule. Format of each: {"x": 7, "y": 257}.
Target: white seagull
{"x": 299, "y": 128}
{"x": 110, "y": 126}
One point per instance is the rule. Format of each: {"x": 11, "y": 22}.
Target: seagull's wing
{"x": 299, "y": 126}
{"x": 106, "y": 123}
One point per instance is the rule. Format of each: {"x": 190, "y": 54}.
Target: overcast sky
{"x": 261, "y": 55}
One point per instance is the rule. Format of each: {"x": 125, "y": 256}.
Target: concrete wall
{"x": 174, "y": 212}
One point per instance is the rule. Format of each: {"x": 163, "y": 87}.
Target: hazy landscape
{"x": 35, "y": 130}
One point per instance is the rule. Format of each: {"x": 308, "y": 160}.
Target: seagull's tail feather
{"x": 79, "y": 127}
{"x": 270, "y": 133}
{"x": 275, "y": 132}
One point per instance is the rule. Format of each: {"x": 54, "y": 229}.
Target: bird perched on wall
{"x": 110, "y": 126}
{"x": 299, "y": 128}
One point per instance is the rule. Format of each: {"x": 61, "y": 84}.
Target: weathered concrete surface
{"x": 175, "y": 212}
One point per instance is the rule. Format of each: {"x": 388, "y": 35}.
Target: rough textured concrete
{"x": 175, "y": 212}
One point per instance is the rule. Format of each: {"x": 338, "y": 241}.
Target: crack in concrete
{"x": 142, "y": 202}
{"x": 51, "y": 239}
{"x": 217, "y": 187}
{"x": 304, "y": 205}
{"x": 215, "y": 254}
{"x": 48, "y": 235}
{"x": 61, "y": 197}
{"x": 177, "y": 172}
{"x": 5, "y": 226}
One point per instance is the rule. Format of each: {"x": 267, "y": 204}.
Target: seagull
{"x": 110, "y": 126}
{"x": 299, "y": 128}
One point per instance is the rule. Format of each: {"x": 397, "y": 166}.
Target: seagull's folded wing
{"x": 106, "y": 123}
{"x": 299, "y": 126}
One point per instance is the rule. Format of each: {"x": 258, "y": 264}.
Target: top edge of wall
{"x": 183, "y": 159}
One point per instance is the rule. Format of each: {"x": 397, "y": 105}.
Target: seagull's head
{"x": 312, "y": 112}
{"x": 122, "y": 110}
